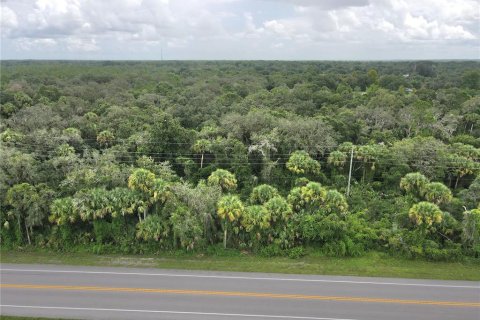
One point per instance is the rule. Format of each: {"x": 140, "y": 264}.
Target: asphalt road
{"x": 123, "y": 293}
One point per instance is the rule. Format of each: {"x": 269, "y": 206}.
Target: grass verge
{"x": 374, "y": 264}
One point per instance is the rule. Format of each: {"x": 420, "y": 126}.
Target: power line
{"x": 49, "y": 150}
{"x": 381, "y": 158}
{"x": 273, "y": 162}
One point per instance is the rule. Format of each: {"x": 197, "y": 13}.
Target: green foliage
{"x": 414, "y": 183}
{"x": 201, "y": 146}
{"x": 300, "y": 163}
{"x": 307, "y": 198}
{"x": 425, "y": 214}
{"x": 105, "y": 138}
{"x": 187, "y": 227}
{"x": 437, "y": 193}
{"x": 262, "y": 194}
{"x": 272, "y": 250}
{"x": 153, "y": 228}
{"x": 296, "y": 252}
{"x": 471, "y": 79}
{"x": 171, "y": 152}
{"x": 337, "y": 158}
{"x": 223, "y": 179}
{"x": 255, "y": 218}
{"x": 471, "y": 228}
{"x": 10, "y": 136}
{"x": 230, "y": 208}
{"x": 141, "y": 180}
{"x": 63, "y": 210}
{"x": 29, "y": 206}
{"x": 335, "y": 202}
{"x": 279, "y": 209}
{"x": 7, "y": 109}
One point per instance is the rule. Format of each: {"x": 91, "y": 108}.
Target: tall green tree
{"x": 471, "y": 227}
{"x": 223, "y": 179}
{"x": 437, "y": 192}
{"x": 425, "y": 214}
{"x": 300, "y": 162}
{"x": 262, "y": 194}
{"x": 229, "y": 209}
{"x": 201, "y": 146}
{"x": 27, "y": 207}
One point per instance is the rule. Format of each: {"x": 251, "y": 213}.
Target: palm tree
{"x": 425, "y": 214}
{"x": 142, "y": 180}
{"x": 307, "y": 198}
{"x": 229, "y": 209}
{"x": 337, "y": 158}
{"x": 414, "y": 182}
{"x": 368, "y": 154}
{"x": 255, "y": 218}
{"x": 262, "y": 193}
{"x": 300, "y": 162}
{"x": 201, "y": 146}
{"x": 63, "y": 210}
{"x": 437, "y": 193}
{"x": 105, "y": 138}
{"x": 223, "y": 178}
{"x": 464, "y": 160}
{"x": 278, "y": 208}
{"x": 335, "y": 202}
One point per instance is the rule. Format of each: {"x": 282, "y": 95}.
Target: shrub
{"x": 272, "y": 250}
{"x": 296, "y": 252}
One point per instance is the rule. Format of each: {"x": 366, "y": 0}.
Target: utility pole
{"x": 350, "y": 172}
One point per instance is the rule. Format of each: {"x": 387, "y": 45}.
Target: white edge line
{"x": 174, "y": 312}
{"x": 243, "y": 278}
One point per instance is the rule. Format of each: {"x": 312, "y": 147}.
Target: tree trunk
{"x": 225, "y": 236}
{"x": 125, "y": 224}
{"x": 205, "y": 226}
{"x": 201, "y": 162}
{"x": 456, "y": 182}
{"x": 20, "y": 229}
{"x": 28, "y": 234}
{"x": 145, "y": 213}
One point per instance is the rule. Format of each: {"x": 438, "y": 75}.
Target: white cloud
{"x": 328, "y": 4}
{"x": 8, "y": 19}
{"x": 235, "y": 29}
{"x": 36, "y": 44}
{"x": 78, "y": 44}
{"x": 420, "y": 28}
{"x": 387, "y": 20}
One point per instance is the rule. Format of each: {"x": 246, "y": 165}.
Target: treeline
{"x": 270, "y": 157}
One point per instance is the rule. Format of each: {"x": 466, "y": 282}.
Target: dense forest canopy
{"x": 255, "y": 155}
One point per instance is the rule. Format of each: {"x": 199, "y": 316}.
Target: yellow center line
{"x": 244, "y": 294}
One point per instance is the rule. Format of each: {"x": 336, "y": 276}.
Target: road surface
{"x": 75, "y": 292}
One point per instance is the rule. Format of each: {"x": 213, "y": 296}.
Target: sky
{"x": 240, "y": 29}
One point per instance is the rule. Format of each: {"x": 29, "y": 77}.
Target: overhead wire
{"x": 274, "y": 160}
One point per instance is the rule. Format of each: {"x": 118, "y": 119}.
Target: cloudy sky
{"x": 240, "y": 29}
